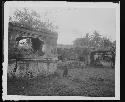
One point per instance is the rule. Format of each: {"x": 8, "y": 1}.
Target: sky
{"x": 75, "y": 22}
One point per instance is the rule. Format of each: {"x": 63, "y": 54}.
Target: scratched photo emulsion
{"x": 61, "y": 51}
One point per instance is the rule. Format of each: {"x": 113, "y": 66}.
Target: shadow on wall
{"x": 36, "y": 44}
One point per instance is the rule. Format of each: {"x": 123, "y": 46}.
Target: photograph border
{"x": 9, "y": 4}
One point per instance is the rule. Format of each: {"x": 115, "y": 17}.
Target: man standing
{"x": 65, "y": 72}
{"x": 83, "y": 62}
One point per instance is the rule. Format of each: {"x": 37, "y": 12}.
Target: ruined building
{"x": 37, "y": 50}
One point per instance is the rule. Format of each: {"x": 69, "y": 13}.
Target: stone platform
{"x": 32, "y": 67}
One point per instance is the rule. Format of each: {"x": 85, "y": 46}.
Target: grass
{"x": 94, "y": 82}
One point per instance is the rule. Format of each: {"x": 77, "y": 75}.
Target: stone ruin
{"x": 38, "y": 51}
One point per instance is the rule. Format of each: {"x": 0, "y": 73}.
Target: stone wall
{"x": 49, "y": 38}
{"x": 35, "y": 67}
{"x": 31, "y": 69}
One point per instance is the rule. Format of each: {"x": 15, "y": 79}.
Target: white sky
{"x": 75, "y": 22}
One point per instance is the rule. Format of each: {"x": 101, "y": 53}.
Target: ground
{"x": 94, "y": 82}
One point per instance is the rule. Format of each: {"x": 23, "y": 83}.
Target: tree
{"x": 96, "y": 39}
{"x": 30, "y": 19}
{"x": 106, "y": 42}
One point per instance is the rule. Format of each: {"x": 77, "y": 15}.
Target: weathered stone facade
{"x": 39, "y": 64}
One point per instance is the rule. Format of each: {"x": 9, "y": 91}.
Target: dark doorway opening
{"x": 36, "y": 42}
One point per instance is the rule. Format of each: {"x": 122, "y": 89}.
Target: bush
{"x": 70, "y": 64}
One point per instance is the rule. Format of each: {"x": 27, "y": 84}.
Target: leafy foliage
{"x": 30, "y": 19}
{"x": 95, "y": 41}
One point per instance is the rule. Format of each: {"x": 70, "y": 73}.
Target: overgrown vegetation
{"x": 95, "y": 41}
{"x": 30, "y": 19}
{"x": 82, "y": 48}
{"x": 94, "y": 82}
